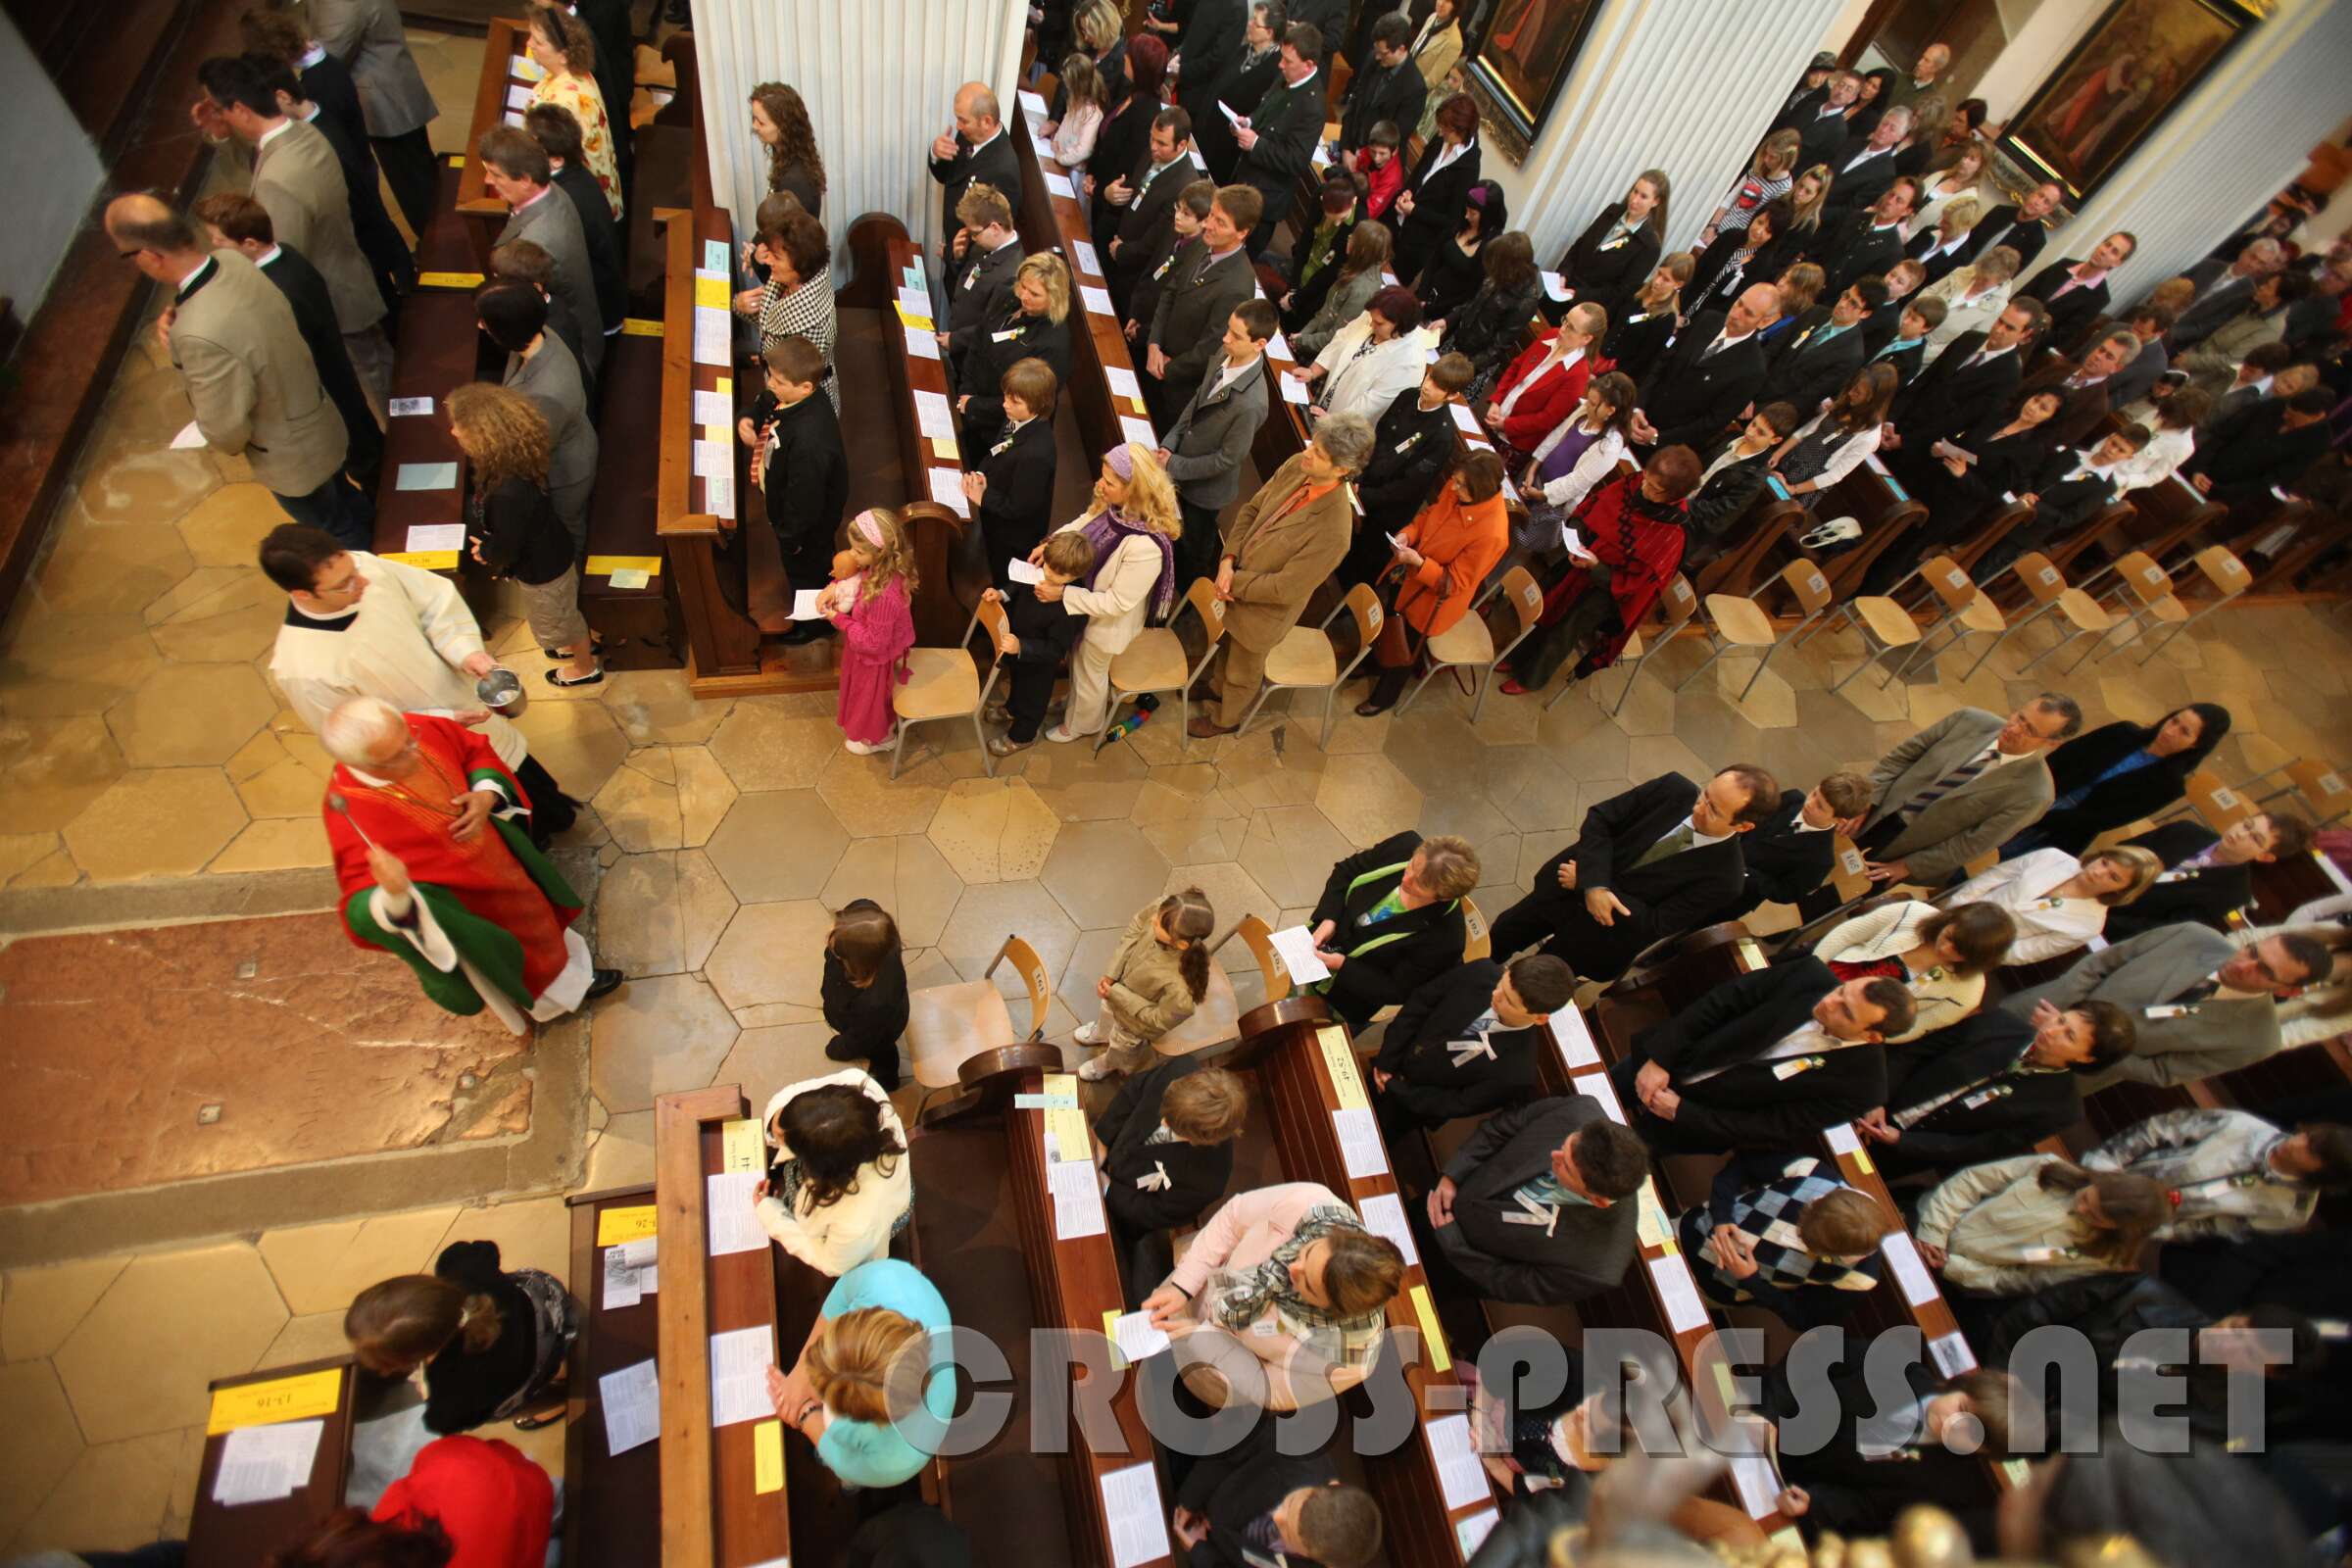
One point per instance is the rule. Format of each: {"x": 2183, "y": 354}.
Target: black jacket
{"x": 2142, "y": 792}
{"x": 464, "y": 1389}
{"x": 1428, "y": 1087}
{"x": 1236, "y": 1488}
{"x": 1906, "y": 359}
{"x": 1855, "y": 190}
{"x": 371, "y": 225}
{"x": 1004, "y": 339}
{"x": 1715, "y": 268}
{"x": 979, "y": 293}
{"x": 1017, "y": 507}
{"x": 1815, "y": 363}
{"x": 1784, "y": 861}
{"x": 1820, "y": 136}
{"x": 1197, "y": 1176}
{"x": 1387, "y": 960}
{"x": 1859, "y": 248}
{"x": 2004, "y": 466}
{"x": 2243, "y": 470}
{"x": 1394, "y": 94}
{"x": 1748, "y": 1104}
{"x": 1718, "y": 506}
{"x": 2206, "y": 897}
{"x": 1492, "y": 327}
{"x": 520, "y": 534}
{"x": 1692, "y": 399}
{"x": 1610, "y": 276}
{"x": 995, "y": 165}
{"x": 1943, "y": 264}
{"x": 1144, "y": 222}
{"x": 1585, "y": 1249}
{"x": 2062, "y": 502}
{"x": 1857, "y": 1496}
{"x": 2072, "y": 312}
{"x": 603, "y": 237}
{"x": 1438, "y": 196}
{"x": 1412, "y": 448}
{"x": 1996, "y": 228}
{"x": 326, "y": 83}
{"x": 1187, "y": 319}
{"x": 1663, "y": 898}
{"x": 2006, "y": 1112}
{"x": 910, "y": 1535}
{"x": 1048, "y": 632}
{"x": 1946, "y": 398}
{"x": 1245, "y": 81}
{"x": 315, "y": 318}
{"x": 807, "y": 488}
{"x": 1211, "y": 40}
{"x": 867, "y": 1019}
{"x": 1289, "y": 121}
{"x": 1636, "y": 342}
{"x": 1300, "y": 301}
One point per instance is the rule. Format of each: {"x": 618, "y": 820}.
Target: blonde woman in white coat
{"x": 1941, "y": 956}
{"x": 2060, "y": 903}
{"x": 839, "y": 1186}
{"x": 1133, "y": 525}
{"x": 1371, "y": 362}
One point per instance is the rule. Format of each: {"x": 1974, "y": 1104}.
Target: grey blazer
{"x": 251, "y": 380}
{"x": 2149, "y": 970}
{"x": 367, "y": 36}
{"x": 550, "y": 223}
{"x": 1210, "y": 439}
{"x": 1346, "y": 300}
{"x": 551, "y": 379}
{"x": 1982, "y": 815}
{"x": 297, "y": 177}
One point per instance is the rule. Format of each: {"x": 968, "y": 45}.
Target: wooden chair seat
{"x": 1303, "y": 657}
{"x": 1153, "y": 662}
{"x": 1889, "y": 622}
{"x": 948, "y": 1026}
{"x": 1215, "y": 1021}
{"x": 942, "y": 683}
{"x": 1740, "y": 620}
{"x": 2169, "y": 608}
{"x": 2082, "y": 611}
{"x": 1466, "y": 641}
{"x": 1981, "y": 614}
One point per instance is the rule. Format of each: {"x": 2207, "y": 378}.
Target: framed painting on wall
{"x": 2132, "y": 69}
{"x": 1524, "y": 57}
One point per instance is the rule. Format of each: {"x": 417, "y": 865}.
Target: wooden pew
{"x": 612, "y": 1515}
{"x": 2160, "y": 520}
{"x": 1875, "y": 499}
{"x": 433, "y": 354}
{"x": 506, "y": 64}
{"x": 221, "y": 1537}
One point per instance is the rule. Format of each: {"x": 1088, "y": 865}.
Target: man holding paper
{"x": 1278, "y": 138}
{"x": 1537, "y": 1207}
{"x": 1400, "y": 900}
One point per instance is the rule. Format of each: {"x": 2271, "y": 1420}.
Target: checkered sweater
{"x": 1771, "y": 1213}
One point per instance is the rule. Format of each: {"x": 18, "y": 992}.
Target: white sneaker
{"x": 1063, "y": 735}
{"x": 866, "y": 748}
{"x": 1088, "y": 1034}
{"x": 1094, "y": 1071}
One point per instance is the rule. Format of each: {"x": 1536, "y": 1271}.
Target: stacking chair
{"x": 1154, "y": 661}
{"x": 1965, "y": 608}
{"x": 2139, "y": 600}
{"x": 1677, "y": 604}
{"x": 1885, "y": 624}
{"x": 1741, "y": 623}
{"x": 2230, "y": 578}
{"x": 2323, "y": 789}
{"x": 1259, "y": 938}
{"x": 2218, "y": 805}
{"x": 2047, "y": 587}
{"x": 1477, "y": 941}
{"x": 948, "y": 1026}
{"x": 943, "y": 683}
{"x": 1469, "y": 644}
{"x": 1308, "y": 660}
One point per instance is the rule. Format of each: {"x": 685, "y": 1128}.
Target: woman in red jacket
{"x": 495, "y": 1507}
{"x": 1633, "y": 539}
{"x": 1544, "y": 384}
{"x": 1444, "y": 554}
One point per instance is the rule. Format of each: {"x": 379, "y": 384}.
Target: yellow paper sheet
{"x": 718, "y": 432}
{"x": 767, "y": 1458}
{"x": 945, "y": 446}
{"x": 921, "y": 324}
{"x": 257, "y": 1404}
{"x": 1862, "y": 1162}
{"x": 712, "y": 292}
{"x": 1110, "y": 1322}
{"x": 1066, "y": 1126}
{"x": 1339, "y": 1057}
{"x": 1655, "y": 1228}
{"x": 605, "y": 566}
{"x": 456, "y": 159}
{"x": 1724, "y": 1386}
{"x": 1433, "y": 1337}
{"x": 618, "y": 1226}
{"x": 742, "y": 1147}
{"x": 449, "y": 281}
{"x": 426, "y": 560}
{"x": 639, "y": 327}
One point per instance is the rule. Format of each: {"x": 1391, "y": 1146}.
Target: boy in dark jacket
{"x": 801, "y": 469}
{"x": 1038, "y": 640}
{"x": 1166, "y": 1147}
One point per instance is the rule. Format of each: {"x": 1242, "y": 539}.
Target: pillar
{"x": 50, "y": 170}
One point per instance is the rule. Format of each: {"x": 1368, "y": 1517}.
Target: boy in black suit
{"x": 801, "y": 469}
{"x": 1764, "y": 1061}
{"x": 1038, "y": 640}
{"x": 1253, "y": 1504}
{"x": 1789, "y": 853}
{"x": 1538, "y": 1207}
{"x": 1011, "y": 485}
{"x": 1389, "y": 918}
{"x": 1991, "y": 1086}
{"x": 2206, "y": 875}
{"x": 1465, "y": 1043}
{"x": 1165, "y": 1146}
{"x": 2070, "y": 488}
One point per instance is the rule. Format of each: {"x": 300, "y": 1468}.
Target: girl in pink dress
{"x": 875, "y": 612}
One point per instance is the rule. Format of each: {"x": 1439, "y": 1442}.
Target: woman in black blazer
{"x": 1456, "y": 268}
{"x": 1637, "y": 339}
{"x": 1391, "y": 914}
{"x": 1614, "y": 255}
{"x": 1035, "y": 326}
{"x": 1754, "y": 252}
{"x": 2118, "y": 774}
{"x": 1430, "y": 207}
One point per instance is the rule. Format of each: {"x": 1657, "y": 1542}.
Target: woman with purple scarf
{"x": 1133, "y": 526}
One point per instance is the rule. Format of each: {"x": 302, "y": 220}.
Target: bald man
{"x": 1713, "y": 371}
{"x": 976, "y": 148}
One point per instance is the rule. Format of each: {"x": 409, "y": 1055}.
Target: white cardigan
{"x": 1569, "y": 490}
{"x": 856, "y": 1229}
{"x": 1115, "y": 606}
{"x": 1889, "y": 932}
{"x": 2153, "y": 464}
{"x": 1850, "y": 451}
{"x": 1367, "y": 386}
{"x": 1962, "y": 313}
{"x": 2046, "y": 927}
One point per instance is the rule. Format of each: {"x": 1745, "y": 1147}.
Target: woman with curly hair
{"x": 561, "y": 46}
{"x": 780, "y": 121}
{"x": 838, "y": 1186}
{"x": 511, "y": 524}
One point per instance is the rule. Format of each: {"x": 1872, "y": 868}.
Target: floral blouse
{"x": 587, "y": 105}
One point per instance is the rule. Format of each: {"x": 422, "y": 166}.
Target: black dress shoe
{"x": 604, "y": 983}
{"x": 1383, "y": 695}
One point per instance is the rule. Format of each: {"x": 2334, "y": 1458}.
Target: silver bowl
{"x": 502, "y": 692}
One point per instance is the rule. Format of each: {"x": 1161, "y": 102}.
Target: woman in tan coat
{"x": 1158, "y": 975}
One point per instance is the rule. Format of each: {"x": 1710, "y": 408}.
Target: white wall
{"x": 879, "y": 78}
{"x": 2034, "y": 55}
{"x": 49, "y": 168}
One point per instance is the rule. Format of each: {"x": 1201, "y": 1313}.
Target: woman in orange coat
{"x": 1443, "y": 555}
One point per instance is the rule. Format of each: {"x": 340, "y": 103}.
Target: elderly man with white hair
{"x": 433, "y": 854}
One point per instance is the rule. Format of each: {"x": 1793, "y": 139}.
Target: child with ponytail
{"x": 491, "y": 1342}
{"x": 1157, "y": 976}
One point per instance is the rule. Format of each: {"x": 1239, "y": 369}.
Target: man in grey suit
{"x": 1208, "y": 275}
{"x": 1538, "y": 1206}
{"x": 515, "y": 170}
{"x": 249, "y": 376}
{"x": 298, "y": 179}
{"x": 1204, "y": 449}
{"x": 2200, "y": 1005}
{"x": 513, "y": 315}
{"x": 367, "y": 36}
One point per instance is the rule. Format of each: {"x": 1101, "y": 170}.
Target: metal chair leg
{"x": 988, "y": 762}
{"x": 1716, "y": 651}
{"x": 1478, "y": 704}
{"x": 1264, "y": 691}
{"x": 898, "y": 753}
{"x": 1331, "y": 698}
{"x": 1759, "y": 675}
{"x": 1415, "y": 690}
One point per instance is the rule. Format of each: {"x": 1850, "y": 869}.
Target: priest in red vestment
{"x": 433, "y": 849}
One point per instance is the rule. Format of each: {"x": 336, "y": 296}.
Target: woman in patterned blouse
{"x": 562, "y": 47}
{"x": 797, "y": 300}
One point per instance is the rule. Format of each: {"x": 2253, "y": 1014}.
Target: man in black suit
{"x": 553, "y": 128}
{"x": 2083, "y": 389}
{"x": 2022, "y": 226}
{"x": 2242, "y": 471}
{"x": 1991, "y": 1086}
{"x": 1649, "y": 864}
{"x": 1211, "y": 40}
{"x": 2076, "y": 291}
{"x": 1465, "y": 1042}
{"x": 988, "y": 252}
{"x": 2226, "y": 294}
{"x": 1924, "y": 1459}
{"x": 1825, "y": 350}
{"x": 1390, "y": 88}
{"x": 1865, "y": 165}
{"x": 1278, "y": 137}
{"x": 1711, "y": 373}
{"x": 976, "y": 151}
{"x": 1537, "y": 1207}
{"x": 1789, "y": 853}
{"x": 1166, "y": 1147}
{"x": 1905, "y": 344}
{"x": 1869, "y": 242}
{"x": 1131, "y": 210}
{"x": 1764, "y": 1061}
{"x": 1977, "y": 371}
{"x": 1823, "y": 127}
{"x": 1252, "y": 1505}
{"x": 2206, "y": 875}
{"x": 1208, "y": 278}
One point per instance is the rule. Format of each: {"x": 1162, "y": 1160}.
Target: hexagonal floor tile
{"x": 1232, "y": 892}
{"x": 1269, "y": 767}
{"x": 656, "y": 1034}
{"x": 1078, "y": 786}
{"x": 188, "y": 715}
{"x": 207, "y": 618}
{"x": 1534, "y": 788}
{"x": 320, "y": 1268}
{"x": 1367, "y": 798}
{"x": 60, "y": 665}
{"x": 1103, "y": 872}
{"x": 987, "y": 915}
{"x": 706, "y": 793}
{"x": 622, "y": 1155}
{"x": 994, "y": 830}
{"x": 577, "y": 742}
{"x": 1291, "y": 849}
{"x": 39, "y": 1307}
{"x": 146, "y": 488}
{"x": 281, "y": 772}
{"x": 771, "y": 952}
{"x": 38, "y": 1442}
{"x": 763, "y": 1060}
{"x": 127, "y": 1379}
{"x": 870, "y": 802}
{"x": 654, "y": 707}
{"x": 168, "y": 821}
{"x": 906, "y": 876}
{"x": 764, "y": 745}
{"x": 639, "y": 803}
{"x": 777, "y": 844}
{"x": 52, "y": 768}
{"x": 117, "y": 1495}
{"x": 276, "y": 844}
{"x": 226, "y": 528}
{"x": 662, "y": 913}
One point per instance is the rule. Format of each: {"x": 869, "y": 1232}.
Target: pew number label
{"x": 741, "y": 1146}
{"x": 295, "y": 1399}
{"x": 1433, "y": 1335}
{"x": 616, "y": 1227}
{"x": 1338, "y": 1059}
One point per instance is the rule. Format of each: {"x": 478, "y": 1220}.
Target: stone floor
{"x": 143, "y": 751}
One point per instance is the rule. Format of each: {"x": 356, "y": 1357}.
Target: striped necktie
{"x": 1950, "y": 781}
